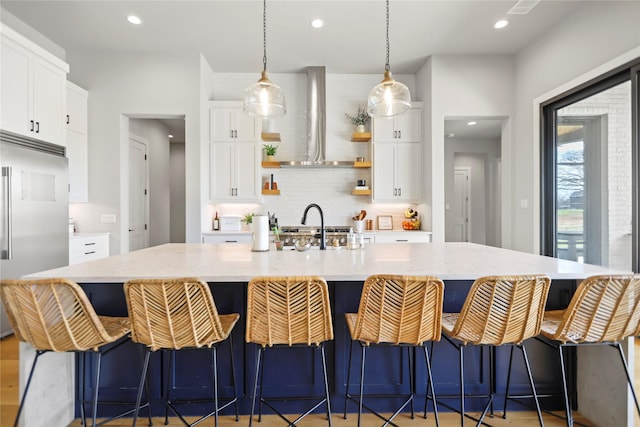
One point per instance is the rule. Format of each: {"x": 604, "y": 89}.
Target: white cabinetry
{"x": 88, "y": 247}
{"x": 397, "y": 157}
{"x": 227, "y": 122}
{"x": 406, "y": 127}
{"x": 234, "y": 172}
{"x": 33, "y": 89}
{"x": 221, "y": 237}
{"x": 77, "y": 141}
{"x": 403, "y": 237}
{"x": 397, "y": 172}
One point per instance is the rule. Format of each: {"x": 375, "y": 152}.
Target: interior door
{"x": 138, "y": 178}
{"x": 460, "y": 212}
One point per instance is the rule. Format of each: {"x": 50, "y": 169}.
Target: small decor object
{"x": 276, "y": 237}
{"x": 270, "y": 151}
{"x": 248, "y": 218}
{"x": 385, "y": 222}
{"x": 360, "y": 119}
{"x": 412, "y": 222}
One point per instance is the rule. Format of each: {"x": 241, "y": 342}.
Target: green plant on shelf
{"x": 270, "y": 150}
{"x": 248, "y": 218}
{"x": 361, "y": 118}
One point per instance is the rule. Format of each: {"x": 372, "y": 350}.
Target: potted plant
{"x": 276, "y": 238}
{"x": 247, "y": 219}
{"x": 270, "y": 151}
{"x": 360, "y": 119}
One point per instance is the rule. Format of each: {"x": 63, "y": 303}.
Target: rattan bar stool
{"x": 604, "y": 310}
{"x": 288, "y": 312}
{"x": 499, "y": 310}
{"x": 176, "y": 314}
{"x": 401, "y": 311}
{"x": 55, "y": 315}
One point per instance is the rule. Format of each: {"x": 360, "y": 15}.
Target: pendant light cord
{"x": 387, "y": 67}
{"x": 264, "y": 36}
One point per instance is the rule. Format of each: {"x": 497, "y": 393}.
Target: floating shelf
{"x": 271, "y": 192}
{"x": 361, "y": 164}
{"x": 267, "y": 136}
{"x": 361, "y": 137}
{"x": 270, "y": 164}
{"x": 361, "y": 192}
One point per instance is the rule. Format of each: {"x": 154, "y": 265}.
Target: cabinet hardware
{"x": 32, "y": 122}
{"x": 67, "y": 119}
{"x": 37, "y": 127}
{"x": 89, "y": 253}
{"x": 231, "y": 241}
{"x": 399, "y": 134}
{"x": 399, "y": 191}
{"x": 90, "y": 244}
{"x": 231, "y": 133}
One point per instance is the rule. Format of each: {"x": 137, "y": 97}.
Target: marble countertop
{"x": 237, "y": 263}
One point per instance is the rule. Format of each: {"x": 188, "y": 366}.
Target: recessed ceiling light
{"x": 134, "y": 20}
{"x": 317, "y": 23}
{"x": 472, "y": 123}
{"x": 500, "y": 24}
{"x": 170, "y": 136}
{"x": 451, "y": 135}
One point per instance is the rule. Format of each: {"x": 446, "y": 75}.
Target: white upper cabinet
{"x": 33, "y": 94}
{"x": 77, "y": 143}
{"x": 227, "y": 122}
{"x": 234, "y": 172}
{"x": 397, "y": 157}
{"x": 406, "y": 127}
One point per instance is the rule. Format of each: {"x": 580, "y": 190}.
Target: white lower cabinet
{"x": 234, "y": 172}
{"x": 221, "y": 237}
{"x": 403, "y": 237}
{"x": 397, "y": 174}
{"x": 88, "y": 247}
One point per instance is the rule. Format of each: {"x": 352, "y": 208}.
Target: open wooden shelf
{"x": 361, "y": 137}
{"x": 271, "y": 192}
{"x": 270, "y": 164}
{"x": 361, "y": 192}
{"x": 268, "y": 136}
{"x": 361, "y": 164}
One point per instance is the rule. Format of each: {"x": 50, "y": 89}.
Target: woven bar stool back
{"x": 288, "y": 311}
{"x": 396, "y": 310}
{"x": 604, "y": 310}
{"x": 498, "y": 310}
{"x": 55, "y": 315}
{"x": 174, "y": 314}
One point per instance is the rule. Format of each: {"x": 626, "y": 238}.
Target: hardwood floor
{"x": 9, "y": 406}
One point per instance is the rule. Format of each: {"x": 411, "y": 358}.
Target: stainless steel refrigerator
{"x": 34, "y": 209}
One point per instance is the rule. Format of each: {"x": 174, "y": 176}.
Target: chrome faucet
{"x": 304, "y": 220}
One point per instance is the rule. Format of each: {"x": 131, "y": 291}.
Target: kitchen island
{"x": 228, "y": 268}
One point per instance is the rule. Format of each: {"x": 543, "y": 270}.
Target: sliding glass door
{"x": 589, "y": 178}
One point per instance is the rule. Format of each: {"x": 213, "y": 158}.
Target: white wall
{"x": 461, "y": 87}
{"x": 595, "y": 34}
{"x": 159, "y": 191}
{"x": 148, "y": 85}
{"x": 177, "y": 197}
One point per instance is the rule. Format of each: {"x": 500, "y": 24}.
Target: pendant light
{"x": 389, "y": 98}
{"x": 264, "y": 98}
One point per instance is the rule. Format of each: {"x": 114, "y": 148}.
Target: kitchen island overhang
{"x": 228, "y": 268}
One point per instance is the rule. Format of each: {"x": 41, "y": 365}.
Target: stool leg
{"x": 255, "y": 385}
{"x": 96, "y": 386}
{"x": 364, "y": 352}
{"x": 214, "y": 360}
{"x": 26, "y": 388}
{"x": 326, "y": 384}
{"x": 533, "y": 386}
{"x": 412, "y": 385}
{"x": 82, "y": 361}
{"x": 461, "y": 350}
{"x": 260, "y": 400}
{"x": 431, "y": 387}
{"x": 168, "y": 388}
{"x": 626, "y": 371}
{"x": 233, "y": 376}
{"x": 346, "y": 393}
{"x": 145, "y": 365}
{"x": 567, "y": 406}
{"x": 506, "y": 392}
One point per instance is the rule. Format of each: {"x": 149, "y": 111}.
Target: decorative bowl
{"x": 302, "y": 244}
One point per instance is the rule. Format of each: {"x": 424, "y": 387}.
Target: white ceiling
{"x": 483, "y": 129}
{"x": 229, "y": 33}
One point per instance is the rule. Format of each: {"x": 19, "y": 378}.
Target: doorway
{"x": 166, "y": 187}
{"x": 473, "y": 180}
{"x": 138, "y": 200}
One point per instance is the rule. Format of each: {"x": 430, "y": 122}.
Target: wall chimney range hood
{"x": 316, "y": 125}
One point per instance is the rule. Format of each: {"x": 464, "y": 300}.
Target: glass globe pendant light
{"x": 389, "y": 98}
{"x": 264, "y": 98}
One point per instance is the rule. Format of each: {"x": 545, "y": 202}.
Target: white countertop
{"x": 87, "y": 235}
{"x": 236, "y": 263}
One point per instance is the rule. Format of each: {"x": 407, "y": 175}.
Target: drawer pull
{"x": 231, "y": 241}
{"x": 89, "y": 253}
{"x": 402, "y": 240}
{"x": 90, "y": 244}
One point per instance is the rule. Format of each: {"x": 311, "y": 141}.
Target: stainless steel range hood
{"x": 316, "y": 125}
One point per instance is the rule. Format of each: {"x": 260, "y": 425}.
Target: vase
{"x": 360, "y": 129}
{"x": 271, "y": 158}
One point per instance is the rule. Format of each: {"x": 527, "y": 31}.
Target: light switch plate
{"x": 108, "y": 219}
